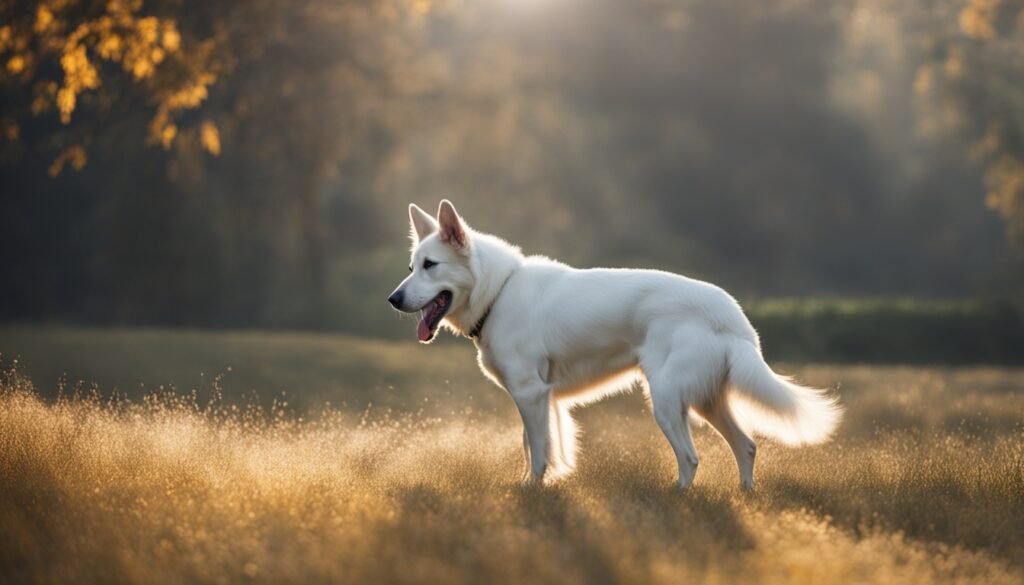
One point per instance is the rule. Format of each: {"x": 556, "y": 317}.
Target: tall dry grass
{"x": 925, "y": 484}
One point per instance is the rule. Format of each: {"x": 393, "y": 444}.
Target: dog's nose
{"x": 396, "y": 299}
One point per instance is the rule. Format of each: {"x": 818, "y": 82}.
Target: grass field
{"x": 923, "y": 484}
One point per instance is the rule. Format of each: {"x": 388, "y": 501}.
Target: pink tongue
{"x": 423, "y": 331}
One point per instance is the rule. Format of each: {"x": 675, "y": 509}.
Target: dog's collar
{"x": 474, "y": 333}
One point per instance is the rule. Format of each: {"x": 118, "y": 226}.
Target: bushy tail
{"x": 767, "y": 403}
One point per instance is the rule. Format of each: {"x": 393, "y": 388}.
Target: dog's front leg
{"x": 534, "y": 404}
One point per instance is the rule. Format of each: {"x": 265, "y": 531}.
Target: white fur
{"x": 558, "y": 336}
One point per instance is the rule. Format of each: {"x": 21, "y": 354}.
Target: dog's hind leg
{"x": 718, "y": 414}
{"x": 672, "y": 415}
{"x": 685, "y": 372}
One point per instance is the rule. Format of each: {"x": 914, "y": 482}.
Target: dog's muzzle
{"x": 396, "y": 299}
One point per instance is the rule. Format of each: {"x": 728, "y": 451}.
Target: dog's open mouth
{"x": 432, "y": 315}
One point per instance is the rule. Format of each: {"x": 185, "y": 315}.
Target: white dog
{"x": 555, "y": 337}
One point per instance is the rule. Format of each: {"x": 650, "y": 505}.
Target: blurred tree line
{"x": 226, "y": 163}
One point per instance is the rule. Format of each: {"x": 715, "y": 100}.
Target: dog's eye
{"x": 428, "y": 264}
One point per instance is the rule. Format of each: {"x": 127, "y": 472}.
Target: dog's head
{"x": 441, "y": 280}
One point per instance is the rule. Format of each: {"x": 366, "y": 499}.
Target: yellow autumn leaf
{"x": 167, "y": 135}
{"x": 44, "y": 18}
{"x": 75, "y": 155}
{"x": 209, "y": 136}
{"x": 170, "y": 38}
{"x": 977, "y": 18}
{"x": 142, "y": 68}
{"x": 147, "y": 29}
{"x": 78, "y": 71}
{"x": 66, "y": 104}
{"x": 190, "y": 95}
{"x": 16, "y": 65}
{"x": 110, "y": 47}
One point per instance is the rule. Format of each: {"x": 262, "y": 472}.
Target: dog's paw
{"x": 531, "y": 481}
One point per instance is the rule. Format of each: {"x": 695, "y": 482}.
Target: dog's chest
{"x": 511, "y": 370}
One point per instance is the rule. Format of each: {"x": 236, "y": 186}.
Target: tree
{"x": 971, "y": 86}
{"x": 82, "y": 59}
{"x": 251, "y": 110}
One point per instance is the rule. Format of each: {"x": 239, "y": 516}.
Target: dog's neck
{"x": 477, "y": 329}
{"x": 494, "y": 262}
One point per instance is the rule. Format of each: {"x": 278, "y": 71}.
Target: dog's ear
{"x": 453, "y": 230}
{"x": 422, "y": 224}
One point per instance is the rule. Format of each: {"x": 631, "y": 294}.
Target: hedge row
{"x": 890, "y": 331}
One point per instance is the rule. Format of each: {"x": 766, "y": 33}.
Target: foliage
{"x": 972, "y": 87}
{"x": 68, "y": 53}
{"x": 775, "y": 149}
{"x": 890, "y": 331}
{"x": 236, "y": 95}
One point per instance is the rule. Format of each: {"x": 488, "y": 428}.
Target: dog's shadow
{"x": 603, "y": 533}
{"x": 604, "y": 522}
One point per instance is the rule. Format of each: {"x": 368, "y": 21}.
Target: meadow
{"x": 193, "y": 457}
